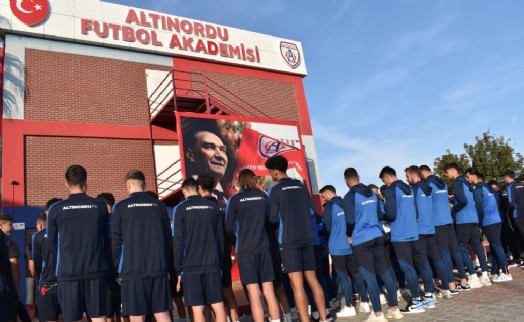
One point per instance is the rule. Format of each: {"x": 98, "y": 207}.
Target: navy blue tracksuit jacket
{"x": 140, "y": 237}
{"x": 198, "y": 236}
{"x": 78, "y": 237}
{"x": 246, "y": 216}
{"x": 291, "y": 207}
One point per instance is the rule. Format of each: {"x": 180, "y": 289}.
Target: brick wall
{"x": 75, "y": 88}
{"x": 276, "y": 99}
{"x": 107, "y": 161}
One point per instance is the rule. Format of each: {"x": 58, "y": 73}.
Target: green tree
{"x": 439, "y": 163}
{"x": 493, "y": 155}
{"x": 489, "y": 154}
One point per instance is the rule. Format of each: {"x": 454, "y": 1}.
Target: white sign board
{"x": 18, "y": 226}
{"x": 108, "y": 24}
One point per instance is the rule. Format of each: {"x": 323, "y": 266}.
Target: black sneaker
{"x": 463, "y": 288}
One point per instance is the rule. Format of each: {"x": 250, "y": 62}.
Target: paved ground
{"x": 500, "y": 302}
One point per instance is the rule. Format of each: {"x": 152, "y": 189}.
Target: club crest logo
{"x": 290, "y": 53}
{"x": 30, "y": 12}
{"x": 268, "y": 147}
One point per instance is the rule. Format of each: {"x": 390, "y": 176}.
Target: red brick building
{"x": 83, "y": 85}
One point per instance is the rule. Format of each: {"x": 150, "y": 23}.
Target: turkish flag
{"x": 255, "y": 148}
{"x": 30, "y": 12}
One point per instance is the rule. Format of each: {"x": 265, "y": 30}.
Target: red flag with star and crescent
{"x": 30, "y": 12}
{"x": 255, "y": 148}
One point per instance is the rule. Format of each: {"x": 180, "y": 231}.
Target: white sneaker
{"x": 373, "y": 318}
{"x": 485, "y": 281}
{"x": 474, "y": 281}
{"x": 502, "y": 278}
{"x": 347, "y": 311}
{"x": 383, "y": 299}
{"x": 364, "y": 307}
{"x": 394, "y": 315}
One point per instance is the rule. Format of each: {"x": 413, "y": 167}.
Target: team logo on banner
{"x": 30, "y": 12}
{"x": 290, "y": 53}
{"x": 269, "y": 147}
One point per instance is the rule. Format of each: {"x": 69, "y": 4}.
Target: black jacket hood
{"x": 402, "y": 186}
{"x": 437, "y": 181}
{"x": 363, "y": 190}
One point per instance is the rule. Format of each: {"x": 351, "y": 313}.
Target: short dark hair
{"x": 521, "y": 177}
{"x": 190, "y": 184}
{"x": 206, "y": 182}
{"x": 76, "y": 175}
{"x": 328, "y": 188}
{"x": 107, "y": 197}
{"x": 475, "y": 172}
{"x": 493, "y": 182}
{"x": 136, "y": 175}
{"x": 510, "y": 173}
{"x": 413, "y": 169}
{"x": 452, "y": 165}
{"x": 372, "y": 186}
{"x": 424, "y": 167}
{"x": 51, "y": 202}
{"x": 387, "y": 170}
{"x": 5, "y": 217}
{"x": 42, "y": 217}
{"x": 383, "y": 189}
{"x": 350, "y": 173}
{"x": 277, "y": 162}
{"x": 471, "y": 171}
{"x": 247, "y": 179}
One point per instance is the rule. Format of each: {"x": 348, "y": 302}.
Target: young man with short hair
{"x": 341, "y": 252}
{"x": 206, "y": 182}
{"x": 77, "y": 237}
{"x": 291, "y": 208}
{"x": 402, "y": 212}
{"x": 467, "y": 224}
{"x": 489, "y": 219}
{"x": 445, "y": 230}
{"x": 142, "y": 263}
{"x": 198, "y": 250}
{"x": 516, "y": 218}
{"x": 426, "y": 244}
{"x": 365, "y": 235}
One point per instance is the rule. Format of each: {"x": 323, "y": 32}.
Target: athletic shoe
{"x": 503, "y": 278}
{"x": 373, "y": 318}
{"x": 295, "y": 316}
{"x": 364, "y": 307}
{"x": 417, "y": 306}
{"x": 485, "y": 281}
{"x": 521, "y": 265}
{"x": 429, "y": 302}
{"x": 474, "y": 281}
{"x": 493, "y": 276}
{"x": 328, "y": 316}
{"x": 383, "y": 299}
{"x": 463, "y": 288}
{"x": 439, "y": 294}
{"x": 447, "y": 294}
{"x": 394, "y": 315}
{"x": 346, "y": 312}
{"x": 453, "y": 291}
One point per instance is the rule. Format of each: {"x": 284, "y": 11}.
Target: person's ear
{"x": 190, "y": 155}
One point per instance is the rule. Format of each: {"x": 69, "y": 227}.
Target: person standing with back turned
{"x": 291, "y": 207}
{"x": 78, "y": 237}
{"x": 142, "y": 263}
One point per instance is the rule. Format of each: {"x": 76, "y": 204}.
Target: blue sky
{"x": 392, "y": 82}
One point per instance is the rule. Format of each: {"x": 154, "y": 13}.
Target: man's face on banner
{"x": 209, "y": 153}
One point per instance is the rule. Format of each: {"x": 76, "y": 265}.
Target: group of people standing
{"x": 132, "y": 259}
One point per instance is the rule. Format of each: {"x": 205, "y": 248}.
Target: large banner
{"x": 224, "y": 145}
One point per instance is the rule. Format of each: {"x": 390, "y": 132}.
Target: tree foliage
{"x": 439, "y": 163}
{"x": 491, "y": 155}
